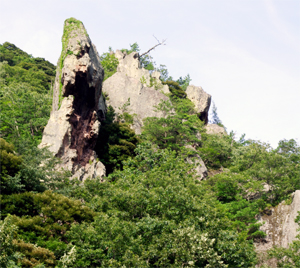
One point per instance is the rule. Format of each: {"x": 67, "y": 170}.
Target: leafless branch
{"x": 159, "y": 43}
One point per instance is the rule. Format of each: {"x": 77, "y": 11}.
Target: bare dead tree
{"x": 159, "y": 43}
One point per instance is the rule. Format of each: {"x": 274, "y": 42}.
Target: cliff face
{"x": 133, "y": 84}
{"x": 78, "y": 108}
{"x": 201, "y": 99}
{"x": 78, "y": 105}
{"x": 141, "y": 91}
{"x": 280, "y": 226}
{"x": 129, "y": 85}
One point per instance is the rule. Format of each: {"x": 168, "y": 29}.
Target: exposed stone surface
{"x": 130, "y": 65}
{"x": 126, "y": 84}
{"x": 201, "y": 100}
{"x": 280, "y": 226}
{"x": 78, "y": 107}
{"x": 200, "y": 168}
{"x": 145, "y": 91}
{"x": 158, "y": 83}
{"x": 215, "y": 129}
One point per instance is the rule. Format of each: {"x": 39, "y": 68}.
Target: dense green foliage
{"x": 116, "y": 142}
{"x": 25, "y": 96}
{"x": 150, "y": 211}
{"x": 175, "y": 89}
{"x": 18, "y": 66}
{"x": 154, "y": 214}
{"x": 175, "y": 129}
{"x": 25, "y": 100}
{"x": 23, "y": 121}
{"x": 109, "y": 63}
{"x": 44, "y": 219}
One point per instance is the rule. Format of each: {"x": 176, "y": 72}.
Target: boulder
{"x": 215, "y": 129}
{"x": 201, "y": 100}
{"x": 280, "y": 226}
{"x": 78, "y": 105}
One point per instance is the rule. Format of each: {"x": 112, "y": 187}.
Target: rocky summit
{"x": 143, "y": 91}
{"x": 131, "y": 84}
{"x": 183, "y": 193}
{"x": 78, "y": 106}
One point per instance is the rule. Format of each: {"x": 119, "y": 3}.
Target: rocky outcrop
{"x": 215, "y": 129}
{"x": 201, "y": 100}
{"x": 199, "y": 166}
{"x": 134, "y": 87}
{"x": 78, "y": 105}
{"x": 143, "y": 91}
{"x": 280, "y": 226}
{"x": 131, "y": 85}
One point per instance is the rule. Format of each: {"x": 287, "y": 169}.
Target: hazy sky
{"x": 245, "y": 53}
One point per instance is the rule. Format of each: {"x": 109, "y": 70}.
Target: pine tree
{"x": 214, "y": 116}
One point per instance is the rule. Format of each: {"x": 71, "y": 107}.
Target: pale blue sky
{"x": 245, "y": 53}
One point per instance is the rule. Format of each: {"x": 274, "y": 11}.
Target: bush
{"x": 116, "y": 142}
{"x": 10, "y": 165}
{"x": 8, "y": 232}
{"x": 44, "y": 218}
{"x": 109, "y": 63}
{"x": 175, "y": 89}
{"x": 175, "y": 129}
{"x": 216, "y": 150}
{"x": 153, "y": 213}
{"x": 33, "y": 255}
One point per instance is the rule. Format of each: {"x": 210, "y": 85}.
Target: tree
{"x": 288, "y": 147}
{"x": 216, "y": 150}
{"x": 174, "y": 130}
{"x": 116, "y": 141}
{"x": 10, "y": 165}
{"x": 8, "y": 254}
{"x": 184, "y": 82}
{"x": 214, "y": 116}
{"x": 109, "y": 63}
{"x": 154, "y": 214}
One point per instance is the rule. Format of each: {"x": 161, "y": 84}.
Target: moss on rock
{"x": 72, "y": 28}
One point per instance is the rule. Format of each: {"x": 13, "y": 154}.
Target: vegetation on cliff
{"x": 25, "y": 92}
{"x": 150, "y": 211}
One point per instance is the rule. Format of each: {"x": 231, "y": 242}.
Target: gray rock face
{"x": 201, "y": 100}
{"x": 131, "y": 66}
{"x": 145, "y": 91}
{"x": 280, "y": 226}
{"x": 78, "y": 107}
{"x": 130, "y": 83}
{"x": 215, "y": 129}
{"x": 200, "y": 168}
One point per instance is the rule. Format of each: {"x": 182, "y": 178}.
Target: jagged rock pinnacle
{"x": 78, "y": 106}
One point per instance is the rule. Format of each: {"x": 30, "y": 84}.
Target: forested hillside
{"x": 150, "y": 210}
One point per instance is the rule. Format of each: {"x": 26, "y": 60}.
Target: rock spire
{"x": 78, "y": 106}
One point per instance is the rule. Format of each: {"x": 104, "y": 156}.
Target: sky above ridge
{"x": 245, "y": 53}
